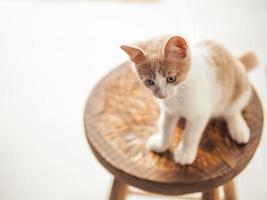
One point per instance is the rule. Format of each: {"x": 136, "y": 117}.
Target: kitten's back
{"x": 230, "y": 71}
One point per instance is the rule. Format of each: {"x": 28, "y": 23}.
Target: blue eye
{"x": 171, "y": 79}
{"x": 149, "y": 82}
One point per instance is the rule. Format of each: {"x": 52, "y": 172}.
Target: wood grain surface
{"x": 121, "y": 114}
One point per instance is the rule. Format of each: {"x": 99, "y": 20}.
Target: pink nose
{"x": 161, "y": 95}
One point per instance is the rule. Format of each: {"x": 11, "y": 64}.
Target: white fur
{"x": 197, "y": 99}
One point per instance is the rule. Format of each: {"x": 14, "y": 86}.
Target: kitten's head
{"x": 161, "y": 64}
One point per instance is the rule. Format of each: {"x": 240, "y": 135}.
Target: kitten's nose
{"x": 162, "y": 94}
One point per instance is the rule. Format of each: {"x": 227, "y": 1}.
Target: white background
{"x": 51, "y": 55}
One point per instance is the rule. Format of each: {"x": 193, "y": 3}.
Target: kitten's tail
{"x": 249, "y": 60}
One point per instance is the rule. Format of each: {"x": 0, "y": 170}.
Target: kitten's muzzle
{"x": 161, "y": 95}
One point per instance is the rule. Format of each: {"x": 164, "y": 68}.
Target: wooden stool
{"x": 119, "y": 117}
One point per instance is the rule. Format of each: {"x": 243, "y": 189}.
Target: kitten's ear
{"x": 136, "y": 55}
{"x": 176, "y": 48}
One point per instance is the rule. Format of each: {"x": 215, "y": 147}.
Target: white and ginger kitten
{"x": 195, "y": 82}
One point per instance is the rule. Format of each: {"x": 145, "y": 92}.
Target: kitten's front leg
{"x": 186, "y": 151}
{"x": 161, "y": 141}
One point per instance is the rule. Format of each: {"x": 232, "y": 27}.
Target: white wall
{"x": 51, "y": 55}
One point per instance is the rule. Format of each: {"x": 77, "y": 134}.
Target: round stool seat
{"x": 121, "y": 114}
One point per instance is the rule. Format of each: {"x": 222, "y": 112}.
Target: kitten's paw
{"x": 241, "y": 133}
{"x": 155, "y": 143}
{"x": 184, "y": 158}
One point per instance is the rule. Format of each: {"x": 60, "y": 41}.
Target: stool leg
{"x": 211, "y": 194}
{"x": 118, "y": 190}
{"x": 229, "y": 191}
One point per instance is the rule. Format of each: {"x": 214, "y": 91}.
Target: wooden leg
{"x": 229, "y": 191}
{"x": 211, "y": 195}
{"x": 118, "y": 190}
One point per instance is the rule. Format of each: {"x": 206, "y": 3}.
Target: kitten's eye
{"x": 149, "y": 82}
{"x": 171, "y": 79}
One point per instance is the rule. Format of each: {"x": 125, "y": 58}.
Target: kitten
{"x": 195, "y": 82}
